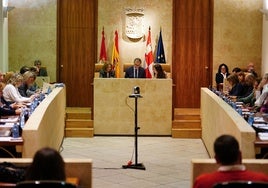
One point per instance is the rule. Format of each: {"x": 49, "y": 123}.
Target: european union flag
{"x": 160, "y": 54}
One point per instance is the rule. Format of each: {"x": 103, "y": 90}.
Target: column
{"x": 264, "y": 67}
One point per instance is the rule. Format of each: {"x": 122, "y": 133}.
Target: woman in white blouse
{"x": 11, "y": 93}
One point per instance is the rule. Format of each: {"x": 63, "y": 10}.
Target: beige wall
{"x": 32, "y": 34}
{"x": 237, "y": 34}
{"x": 237, "y": 31}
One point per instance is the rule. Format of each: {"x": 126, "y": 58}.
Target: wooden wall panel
{"x": 77, "y": 49}
{"x": 192, "y": 50}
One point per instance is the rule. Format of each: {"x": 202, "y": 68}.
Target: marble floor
{"x": 167, "y": 160}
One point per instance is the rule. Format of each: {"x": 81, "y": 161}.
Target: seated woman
{"x": 107, "y": 71}
{"x": 236, "y": 87}
{"x": 47, "y": 165}
{"x": 11, "y": 93}
{"x": 27, "y": 88}
{"x": 5, "y": 108}
{"x": 158, "y": 71}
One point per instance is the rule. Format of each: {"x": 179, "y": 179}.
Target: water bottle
{"x": 251, "y": 118}
{"x": 22, "y": 119}
{"x": 15, "y": 130}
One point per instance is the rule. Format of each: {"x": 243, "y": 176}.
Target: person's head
{"x": 227, "y": 151}
{"x": 158, "y": 71}
{"x": 223, "y": 68}
{"x": 250, "y": 79}
{"x": 16, "y": 79}
{"x": 47, "y": 165}
{"x": 23, "y": 69}
{"x": 29, "y": 77}
{"x": 37, "y": 63}
{"x": 137, "y": 62}
{"x": 265, "y": 78}
{"x": 1, "y": 76}
{"x": 236, "y": 70}
{"x": 107, "y": 67}
{"x": 250, "y": 67}
{"x": 233, "y": 79}
{"x": 241, "y": 76}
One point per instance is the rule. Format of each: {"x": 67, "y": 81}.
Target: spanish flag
{"x": 115, "y": 56}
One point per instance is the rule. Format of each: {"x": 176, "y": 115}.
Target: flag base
{"x": 138, "y": 166}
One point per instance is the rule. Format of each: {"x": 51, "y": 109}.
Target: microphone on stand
{"x": 136, "y": 92}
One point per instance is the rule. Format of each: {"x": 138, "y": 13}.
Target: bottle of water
{"x": 15, "y": 130}
{"x": 251, "y": 118}
{"x": 22, "y": 119}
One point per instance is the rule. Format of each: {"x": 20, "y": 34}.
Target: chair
{"x": 241, "y": 184}
{"x": 45, "y": 184}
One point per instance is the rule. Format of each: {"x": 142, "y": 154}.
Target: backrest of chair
{"x": 241, "y": 184}
{"x": 45, "y": 184}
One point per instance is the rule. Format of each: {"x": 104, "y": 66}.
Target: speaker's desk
{"x": 114, "y": 110}
{"x": 217, "y": 118}
{"x": 45, "y": 127}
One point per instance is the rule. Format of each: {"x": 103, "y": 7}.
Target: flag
{"x": 149, "y": 56}
{"x": 160, "y": 54}
{"x": 115, "y": 56}
{"x": 103, "y": 54}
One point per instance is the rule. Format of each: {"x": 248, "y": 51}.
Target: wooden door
{"x": 192, "y": 50}
{"x": 77, "y": 49}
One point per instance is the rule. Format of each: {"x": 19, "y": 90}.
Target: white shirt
{"x": 11, "y": 94}
{"x": 261, "y": 97}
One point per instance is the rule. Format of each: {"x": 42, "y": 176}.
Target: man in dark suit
{"x": 135, "y": 71}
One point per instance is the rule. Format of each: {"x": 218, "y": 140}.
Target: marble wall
{"x": 237, "y": 33}
{"x": 32, "y": 34}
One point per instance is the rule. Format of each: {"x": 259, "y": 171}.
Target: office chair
{"x": 45, "y": 184}
{"x": 241, "y": 184}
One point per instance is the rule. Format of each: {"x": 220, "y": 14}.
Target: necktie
{"x": 136, "y": 74}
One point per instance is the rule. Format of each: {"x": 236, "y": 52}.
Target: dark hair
{"x": 137, "y": 59}
{"x": 37, "y": 62}
{"x": 24, "y": 69}
{"x": 105, "y": 66}
{"x": 47, "y": 165}
{"x": 236, "y": 70}
{"x": 160, "y": 71}
{"x": 226, "y": 67}
{"x": 226, "y": 149}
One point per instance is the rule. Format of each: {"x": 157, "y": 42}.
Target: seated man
{"x": 135, "y": 71}
{"x": 41, "y": 71}
{"x": 229, "y": 157}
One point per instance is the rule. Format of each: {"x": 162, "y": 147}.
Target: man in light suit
{"x": 135, "y": 71}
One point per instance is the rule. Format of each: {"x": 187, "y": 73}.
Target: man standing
{"x": 228, "y": 156}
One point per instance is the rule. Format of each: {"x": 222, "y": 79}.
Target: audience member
{"x": 223, "y": 73}
{"x": 229, "y": 157}
{"x": 251, "y": 69}
{"x": 24, "y": 69}
{"x": 8, "y": 109}
{"x": 158, "y": 71}
{"x": 248, "y": 85}
{"x": 236, "y": 87}
{"x": 1, "y": 76}
{"x": 26, "y": 89}
{"x": 135, "y": 71}
{"x": 262, "y": 91}
{"x": 107, "y": 71}
{"x": 236, "y": 70}
{"x": 41, "y": 70}
{"x": 7, "y": 76}
{"x": 11, "y": 93}
{"x": 47, "y": 165}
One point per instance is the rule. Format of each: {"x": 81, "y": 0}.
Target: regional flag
{"x": 160, "y": 54}
{"x": 149, "y": 57}
{"x": 115, "y": 56}
{"x": 103, "y": 54}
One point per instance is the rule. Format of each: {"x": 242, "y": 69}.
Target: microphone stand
{"x": 137, "y": 165}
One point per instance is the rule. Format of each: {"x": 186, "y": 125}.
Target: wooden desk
{"x": 217, "y": 118}
{"x": 114, "y": 110}
{"x": 45, "y": 127}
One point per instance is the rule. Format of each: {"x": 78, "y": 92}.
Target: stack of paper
{"x": 263, "y": 136}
